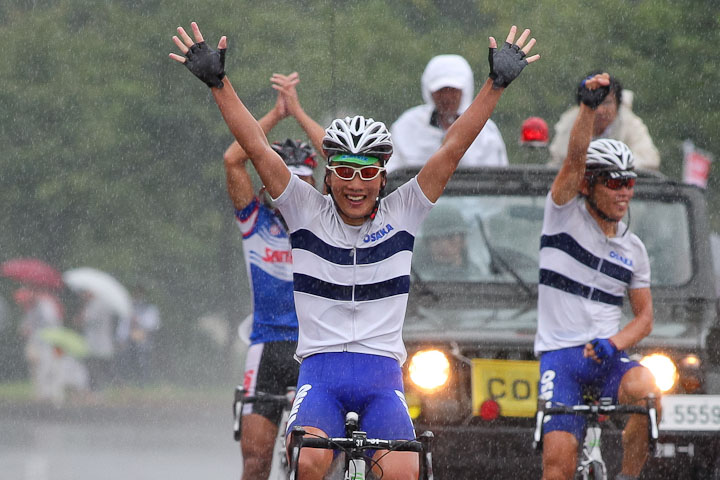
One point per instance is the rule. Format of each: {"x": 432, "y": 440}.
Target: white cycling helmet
{"x": 358, "y": 136}
{"x": 612, "y": 157}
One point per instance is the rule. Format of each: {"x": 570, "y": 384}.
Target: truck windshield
{"x": 495, "y": 238}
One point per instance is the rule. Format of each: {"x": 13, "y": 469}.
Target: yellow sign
{"x": 513, "y": 384}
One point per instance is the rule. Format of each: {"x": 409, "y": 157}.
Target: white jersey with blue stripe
{"x": 352, "y": 282}
{"x": 584, "y": 276}
{"x": 268, "y": 260}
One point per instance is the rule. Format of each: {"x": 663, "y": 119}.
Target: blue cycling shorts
{"x": 565, "y": 375}
{"x": 332, "y": 384}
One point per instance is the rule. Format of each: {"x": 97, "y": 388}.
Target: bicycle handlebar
{"x": 367, "y": 444}
{"x": 598, "y": 409}
{"x": 594, "y": 409}
{"x": 358, "y": 443}
{"x": 260, "y": 397}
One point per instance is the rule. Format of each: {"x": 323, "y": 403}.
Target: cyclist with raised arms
{"x": 588, "y": 261}
{"x": 352, "y": 253}
{"x": 269, "y": 364}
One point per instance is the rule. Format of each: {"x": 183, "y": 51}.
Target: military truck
{"x": 471, "y": 375}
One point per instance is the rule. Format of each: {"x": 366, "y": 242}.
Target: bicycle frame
{"x": 354, "y": 445}
{"x": 279, "y": 466}
{"x": 592, "y": 454}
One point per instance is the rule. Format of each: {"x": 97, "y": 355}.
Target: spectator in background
{"x": 443, "y": 248}
{"x": 614, "y": 119}
{"x": 4, "y": 321}
{"x": 135, "y": 338}
{"x": 98, "y": 324}
{"x": 41, "y": 310}
{"x": 448, "y": 90}
{"x": 534, "y": 138}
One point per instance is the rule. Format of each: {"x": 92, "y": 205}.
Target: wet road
{"x": 110, "y": 444}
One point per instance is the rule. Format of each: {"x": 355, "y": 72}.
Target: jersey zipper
{"x": 354, "y": 305}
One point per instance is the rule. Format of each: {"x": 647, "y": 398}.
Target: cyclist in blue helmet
{"x": 352, "y": 253}
{"x": 588, "y": 262}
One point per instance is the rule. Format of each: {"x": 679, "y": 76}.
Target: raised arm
{"x": 285, "y": 84}
{"x": 567, "y": 183}
{"x": 209, "y": 66}
{"x": 239, "y": 184}
{"x": 506, "y": 64}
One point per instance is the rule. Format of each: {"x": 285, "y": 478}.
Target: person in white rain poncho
{"x": 448, "y": 90}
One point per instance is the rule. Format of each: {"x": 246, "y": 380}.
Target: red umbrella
{"x": 32, "y": 271}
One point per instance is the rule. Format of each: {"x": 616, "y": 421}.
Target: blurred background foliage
{"x": 112, "y": 153}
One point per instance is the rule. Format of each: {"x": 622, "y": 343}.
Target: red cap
{"x": 534, "y": 132}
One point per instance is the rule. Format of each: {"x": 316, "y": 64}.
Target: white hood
{"x": 415, "y": 139}
{"x": 448, "y": 71}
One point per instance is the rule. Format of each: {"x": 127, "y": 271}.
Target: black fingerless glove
{"x": 592, "y": 98}
{"x": 506, "y": 64}
{"x": 206, "y": 64}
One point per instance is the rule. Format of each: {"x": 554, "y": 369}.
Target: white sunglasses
{"x": 346, "y": 172}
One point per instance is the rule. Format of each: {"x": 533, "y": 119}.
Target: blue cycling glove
{"x": 506, "y": 63}
{"x": 604, "y": 348}
{"x": 206, "y": 64}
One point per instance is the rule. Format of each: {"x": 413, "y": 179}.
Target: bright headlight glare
{"x": 663, "y": 369}
{"x": 429, "y": 369}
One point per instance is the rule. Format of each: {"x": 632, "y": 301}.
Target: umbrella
{"x": 32, "y": 271}
{"x": 103, "y": 286}
{"x": 67, "y": 340}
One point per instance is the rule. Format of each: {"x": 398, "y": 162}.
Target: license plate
{"x": 690, "y": 412}
{"x": 513, "y": 384}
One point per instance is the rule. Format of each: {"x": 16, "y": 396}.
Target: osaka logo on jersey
{"x": 371, "y": 237}
{"x": 626, "y": 261}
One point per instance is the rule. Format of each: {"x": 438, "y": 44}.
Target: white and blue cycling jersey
{"x": 268, "y": 260}
{"x": 584, "y": 276}
{"x": 352, "y": 282}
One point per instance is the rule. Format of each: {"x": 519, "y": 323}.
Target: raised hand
{"x": 507, "y": 62}
{"x": 285, "y": 85}
{"x": 205, "y": 63}
{"x": 595, "y": 89}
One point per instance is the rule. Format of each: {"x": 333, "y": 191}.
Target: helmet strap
{"x": 602, "y": 214}
{"x": 375, "y": 209}
{"x": 377, "y": 200}
{"x": 597, "y": 210}
{"x": 592, "y": 181}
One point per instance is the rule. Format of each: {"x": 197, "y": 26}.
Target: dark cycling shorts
{"x": 332, "y": 384}
{"x": 269, "y": 368}
{"x": 565, "y": 375}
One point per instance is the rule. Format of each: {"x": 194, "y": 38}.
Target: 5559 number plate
{"x": 690, "y": 412}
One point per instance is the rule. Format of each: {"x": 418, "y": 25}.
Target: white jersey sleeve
{"x": 299, "y": 203}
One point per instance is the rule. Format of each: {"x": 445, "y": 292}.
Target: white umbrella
{"x": 103, "y": 286}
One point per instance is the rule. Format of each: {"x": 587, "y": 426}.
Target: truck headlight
{"x": 429, "y": 369}
{"x": 664, "y": 370}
